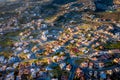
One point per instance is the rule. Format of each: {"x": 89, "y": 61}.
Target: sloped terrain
{"x": 55, "y": 39}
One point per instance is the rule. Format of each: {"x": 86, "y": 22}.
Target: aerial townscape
{"x": 59, "y": 39}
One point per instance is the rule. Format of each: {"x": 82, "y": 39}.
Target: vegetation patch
{"x": 80, "y": 61}
{"x": 112, "y": 45}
